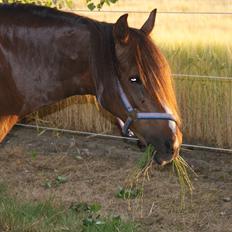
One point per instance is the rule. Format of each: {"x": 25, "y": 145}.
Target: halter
{"x": 134, "y": 115}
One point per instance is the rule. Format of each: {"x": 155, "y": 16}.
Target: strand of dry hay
{"x": 141, "y": 175}
{"x": 182, "y": 169}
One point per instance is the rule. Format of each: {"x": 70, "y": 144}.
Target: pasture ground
{"x": 94, "y": 168}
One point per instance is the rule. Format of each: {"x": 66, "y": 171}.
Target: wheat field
{"x": 193, "y": 44}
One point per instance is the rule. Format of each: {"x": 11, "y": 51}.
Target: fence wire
{"x": 92, "y": 134}
{"x": 220, "y": 78}
{"x": 147, "y": 12}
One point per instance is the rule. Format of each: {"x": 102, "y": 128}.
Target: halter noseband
{"x": 133, "y": 114}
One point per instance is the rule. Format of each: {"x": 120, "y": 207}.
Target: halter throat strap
{"x": 134, "y": 115}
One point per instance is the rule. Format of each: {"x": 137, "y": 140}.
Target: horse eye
{"x": 134, "y": 79}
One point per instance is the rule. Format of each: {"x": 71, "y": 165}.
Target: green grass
{"x": 16, "y": 216}
{"x": 129, "y": 193}
{"x": 146, "y": 157}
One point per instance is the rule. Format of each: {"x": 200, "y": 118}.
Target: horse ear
{"x": 121, "y": 30}
{"x": 149, "y": 24}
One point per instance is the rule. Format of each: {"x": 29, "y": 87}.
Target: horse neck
{"x": 58, "y": 56}
{"x": 59, "y": 71}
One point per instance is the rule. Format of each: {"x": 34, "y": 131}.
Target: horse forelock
{"x": 155, "y": 73}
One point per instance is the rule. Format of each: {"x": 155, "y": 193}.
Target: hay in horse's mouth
{"x": 145, "y": 166}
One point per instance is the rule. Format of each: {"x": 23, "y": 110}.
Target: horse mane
{"x": 155, "y": 72}
{"x": 41, "y": 11}
{"x": 102, "y": 40}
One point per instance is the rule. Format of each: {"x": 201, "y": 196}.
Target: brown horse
{"x": 47, "y": 55}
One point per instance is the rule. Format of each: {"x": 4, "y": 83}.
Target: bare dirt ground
{"x": 94, "y": 169}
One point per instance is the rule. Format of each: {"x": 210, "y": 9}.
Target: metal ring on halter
{"x": 133, "y": 114}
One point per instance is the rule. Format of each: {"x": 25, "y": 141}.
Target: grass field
{"x": 49, "y": 216}
{"x": 193, "y": 44}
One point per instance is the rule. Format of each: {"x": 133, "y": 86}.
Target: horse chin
{"x": 160, "y": 161}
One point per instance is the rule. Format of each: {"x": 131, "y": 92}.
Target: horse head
{"x": 141, "y": 93}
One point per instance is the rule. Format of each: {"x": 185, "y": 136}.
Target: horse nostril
{"x": 169, "y": 147}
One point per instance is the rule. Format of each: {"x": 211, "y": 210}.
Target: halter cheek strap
{"x": 134, "y": 115}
